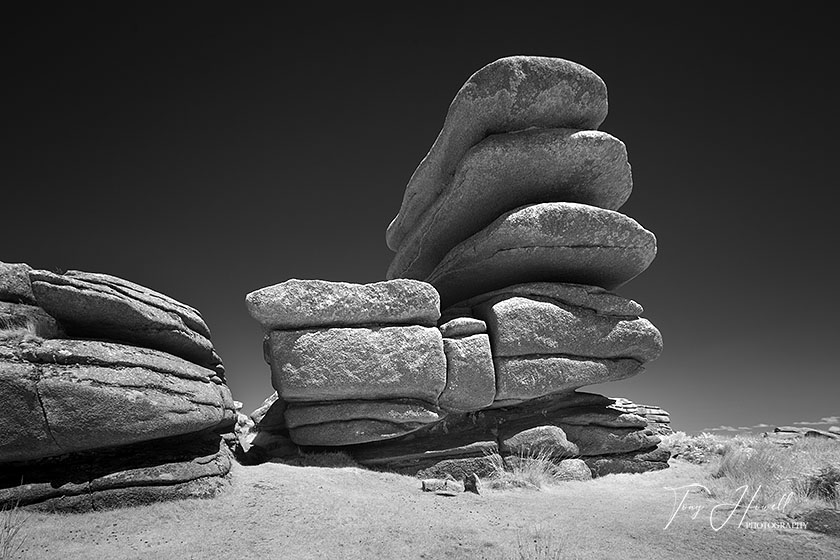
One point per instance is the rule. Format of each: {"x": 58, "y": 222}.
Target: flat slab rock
{"x": 471, "y": 435}
{"x": 550, "y": 242}
{"x": 539, "y": 325}
{"x": 90, "y": 305}
{"x": 522, "y": 378}
{"x": 513, "y": 93}
{"x": 358, "y": 363}
{"x": 298, "y": 304}
{"x": 14, "y": 283}
{"x": 507, "y": 171}
{"x": 63, "y": 396}
{"x": 173, "y": 468}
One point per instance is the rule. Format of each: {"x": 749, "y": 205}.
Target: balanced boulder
{"x": 506, "y": 171}
{"x": 510, "y": 94}
{"x": 549, "y": 242}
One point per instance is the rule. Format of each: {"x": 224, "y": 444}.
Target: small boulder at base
{"x": 542, "y": 441}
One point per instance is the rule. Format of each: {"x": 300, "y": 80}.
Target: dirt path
{"x": 278, "y": 511}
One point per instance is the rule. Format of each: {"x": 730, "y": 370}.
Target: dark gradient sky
{"x": 207, "y": 152}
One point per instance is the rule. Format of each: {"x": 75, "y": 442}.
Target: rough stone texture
{"x": 658, "y": 420}
{"x": 14, "y": 283}
{"x": 23, "y": 317}
{"x": 462, "y": 326}
{"x": 349, "y": 432}
{"x": 510, "y": 94}
{"x": 549, "y": 441}
{"x": 605, "y": 440}
{"x": 460, "y": 468}
{"x": 474, "y": 435}
{"x": 548, "y": 242}
{"x": 470, "y": 377}
{"x": 360, "y": 363}
{"x": 398, "y": 412}
{"x": 173, "y": 468}
{"x": 525, "y": 378}
{"x": 593, "y": 298}
{"x": 101, "y": 306}
{"x": 62, "y": 396}
{"x": 572, "y": 469}
{"x": 506, "y": 171}
{"x": 298, "y": 304}
{"x": 521, "y": 326}
{"x": 635, "y": 462}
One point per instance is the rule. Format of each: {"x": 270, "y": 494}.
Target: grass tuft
{"x": 12, "y": 536}
{"x": 523, "y": 471}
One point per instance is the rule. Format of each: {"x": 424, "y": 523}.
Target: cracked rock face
{"x": 63, "y": 396}
{"x": 550, "y": 242}
{"x": 112, "y": 395}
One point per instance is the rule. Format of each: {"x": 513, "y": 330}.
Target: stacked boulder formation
{"x": 113, "y": 393}
{"x": 657, "y": 419}
{"x": 510, "y": 223}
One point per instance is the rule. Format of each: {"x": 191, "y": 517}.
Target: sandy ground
{"x": 279, "y": 511}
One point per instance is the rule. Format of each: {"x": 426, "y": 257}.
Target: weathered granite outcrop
{"x": 374, "y": 377}
{"x": 512, "y": 219}
{"x": 103, "y": 406}
{"x": 587, "y": 420}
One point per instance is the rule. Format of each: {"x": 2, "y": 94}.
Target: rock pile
{"x": 788, "y": 435}
{"x": 112, "y": 393}
{"x": 658, "y": 420}
{"x": 511, "y": 218}
{"x": 353, "y": 363}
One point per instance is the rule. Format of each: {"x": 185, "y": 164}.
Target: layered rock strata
{"x": 354, "y": 363}
{"x": 113, "y": 394}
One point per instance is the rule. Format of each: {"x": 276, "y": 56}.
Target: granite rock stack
{"x": 113, "y": 393}
{"x": 511, "y": 226}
